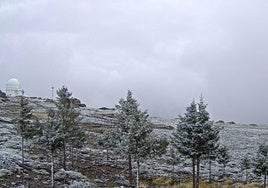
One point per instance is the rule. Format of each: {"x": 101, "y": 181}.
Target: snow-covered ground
{"x": 241, "y": 140}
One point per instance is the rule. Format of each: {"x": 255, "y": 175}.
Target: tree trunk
{"x": 264, "y": 184}
{"x": 224, "y": 170}
{"x": 52, "y": 170}
{"x": 72, "y": 156}
{"x": 130, "y": 169}
{"x": 64, "y": 155}
{"x": 22, "y": 158}
{"x": 77, "y": 159}
{"x": 197, "y": 172}
{"x": 138, "y": 174}
{"x": 193, "y": 165}
{"x": 22, "y": 151}
{"x": 173, "y": 171}
{"x": 246, "y": 175}
{"x": 209, "y": 171}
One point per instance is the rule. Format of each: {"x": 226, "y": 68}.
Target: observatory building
{"x": 13, "y": 88}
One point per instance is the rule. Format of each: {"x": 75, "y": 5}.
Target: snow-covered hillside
{"x": 240, "y": 139}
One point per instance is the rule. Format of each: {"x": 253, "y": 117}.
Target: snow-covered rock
{"x": 80, "y": 184}
{"x": 69, "y": 175}
{"x": 104, "y": 117}
{"x": 5, "y": 172}
{"x": 75, "y": 179}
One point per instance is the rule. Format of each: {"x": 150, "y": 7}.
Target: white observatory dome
{"x": 13, "y": 88}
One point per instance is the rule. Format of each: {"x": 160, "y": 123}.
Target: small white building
{"x": 13, "y": 88}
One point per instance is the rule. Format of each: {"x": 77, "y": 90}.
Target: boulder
{"x": 81, "y": 184}
{"x": 70, "y": 175}
{"x": 77, "y": 102}
{"x": 5, "y": 172}
{"x": 75, "y": 179}
{"x": 3, "y": 96}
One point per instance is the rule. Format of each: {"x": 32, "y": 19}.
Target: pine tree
{"x": 245, "y": 165}
{"x": 195, "y": 136}
{"x": 135, "y": 134}
{"x": 52, "y": 139}
{"x": 126, "y": 109}
{"x": 212, "y": 156}
{"x": 76, "y": 135}
{"x": 223, "y": 157}
{"x": 64, "y": 104}
{"x": 174, "y": 159}
{"x": 109, "y": 140}
{"x": 24, "y": 120}
{"x": 261, "y": 165}
{"x": 68, "y": 118}
{"x": 77, "y": 141}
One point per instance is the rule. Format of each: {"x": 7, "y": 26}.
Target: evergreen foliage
{"x": 174, "y": 159}
{"x": 245, "y": 166}
{"x": 25, "y": 116}
{"x": 223, "y": 157}
{"x": 195, "y": 136}
{"x": 52, "y": 139}
{"x": 135, "y": 134}
{"x": 211, "y": 156}
{"x": 261, "y": 165}
{"x": 24, "y": 120}
{"x": 109, "y": 140}
{"x": 68, "y": 119}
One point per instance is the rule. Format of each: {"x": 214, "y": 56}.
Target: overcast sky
{"x": 167, "y": 52}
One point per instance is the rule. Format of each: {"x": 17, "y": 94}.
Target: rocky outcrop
{"x": 3, "y": 96}
{"x": 77, "y": 103}
{"x": 75, "y": 179}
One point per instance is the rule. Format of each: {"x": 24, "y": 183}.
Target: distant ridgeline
{"x": 14, "y": 89}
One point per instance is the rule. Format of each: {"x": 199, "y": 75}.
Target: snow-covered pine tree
{"x": 261, "y": 165}
{"x": 143, "y": 144}
{"x": 195, "y": 136}
{"x": 223, "y": 157}
{"x": 68, "y": 119}
{"x": 203, "y": 115}
{"x": 109, "y": 140}
{"x": 24, "y": 120}
{"x": 174, "y": 159}
{"x": 63, "y": 104}
{"x": 76, "y": 135}
{"x": 52, "y": 139}
{"x": 126, "y": 109}
{"x": 245, "y": 166}
{"x": 207, "y": 141}
{"x": 211, "y": 156}
{"x": 77, "y": 141}
{"x": 135, "y": 134}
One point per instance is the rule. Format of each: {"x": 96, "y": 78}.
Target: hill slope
{"x": 91, "y": 168}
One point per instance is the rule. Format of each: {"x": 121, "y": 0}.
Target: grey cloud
{"x": 168, "y": 52}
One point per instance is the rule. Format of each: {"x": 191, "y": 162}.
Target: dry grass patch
{"x": 40, "y": 115}
{"x": 163, "y": 182}
{"x": 168, "y": 183}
